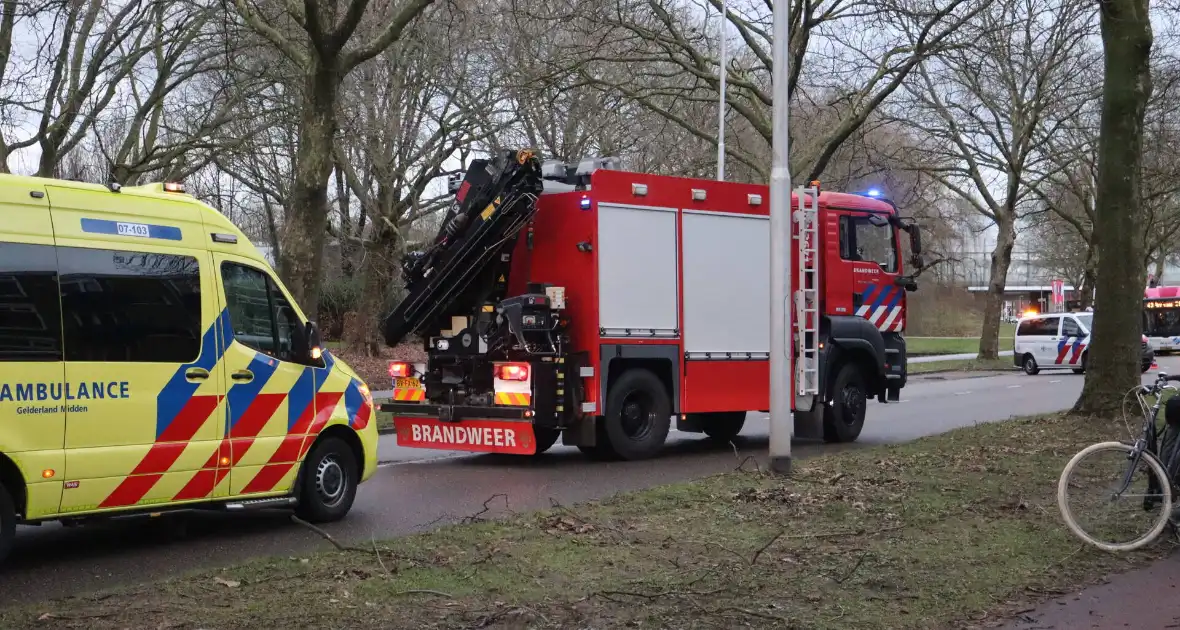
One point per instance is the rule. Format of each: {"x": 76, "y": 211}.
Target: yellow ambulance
{"x": 150, "y": 359}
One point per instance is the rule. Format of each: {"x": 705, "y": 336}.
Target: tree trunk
{"x": 989, "y": 338}
{"x": 306, "y": 218}
{"x": 380, "y": 270}
{"x": 1113, "y": 366}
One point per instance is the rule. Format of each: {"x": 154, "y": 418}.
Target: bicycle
{"x": 1160, "y": 489}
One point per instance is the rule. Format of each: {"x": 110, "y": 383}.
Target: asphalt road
{"x": 414, "y": 489}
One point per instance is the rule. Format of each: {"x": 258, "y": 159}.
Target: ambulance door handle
{"x": 196, "y": 374}
{"x": 244, "y": 376}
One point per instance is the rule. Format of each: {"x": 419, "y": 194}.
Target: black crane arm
{"x": 496, "y": 200}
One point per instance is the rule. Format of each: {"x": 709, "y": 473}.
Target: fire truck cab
{"x": 596, "y": 305}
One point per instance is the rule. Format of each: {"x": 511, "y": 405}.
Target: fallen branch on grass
{"x": 424, "y": 591}
{"x": 325, "y": 535}
{"x": 487, "y": 507}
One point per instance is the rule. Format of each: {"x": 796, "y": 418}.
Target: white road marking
{"x": 1056, "y": 381}
{"x": 962, "y": 393}
{"x": 1014, "y": 386}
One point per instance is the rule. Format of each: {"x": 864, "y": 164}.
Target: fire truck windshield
{"x": 1163, "y": 318}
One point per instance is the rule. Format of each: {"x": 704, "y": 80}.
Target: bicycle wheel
{"x": 1136, "y": 501}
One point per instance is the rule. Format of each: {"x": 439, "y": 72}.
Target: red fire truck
{"x": 599, "y": 306}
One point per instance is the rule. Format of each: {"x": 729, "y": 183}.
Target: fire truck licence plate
{"x": 479, "y": 436}
{"x": 407, "y": 383}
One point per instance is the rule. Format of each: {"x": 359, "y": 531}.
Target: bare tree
{"x": 987, "y": 106}
{"x": 1114, "y": 367}
{"x": 317, "y": 36}
{"x": 666, "y": 51}
{"x": 1069, "y": 193}
{"x": 412, "y": 110}
{"x": 80, "y": 55}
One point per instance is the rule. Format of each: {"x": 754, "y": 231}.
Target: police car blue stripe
{"x": 133, "y": 229}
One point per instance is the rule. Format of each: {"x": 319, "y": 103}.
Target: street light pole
{"x": 781, "y": 386}
{"x": 721, "y": 105}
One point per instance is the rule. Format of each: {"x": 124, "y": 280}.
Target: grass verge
{"x": 932, "y": 533}
{"x": 927, "y": 346}
{"x": 965, "y": 365}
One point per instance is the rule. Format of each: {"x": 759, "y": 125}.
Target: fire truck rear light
{"x": 639, "y": 190}
{"x": 585, "y": 203}
{"x": 397, "y": 369}
{"x": 513, "y": 372}
{"x": 698, "y": 194}
{"x": 754, "y": 200}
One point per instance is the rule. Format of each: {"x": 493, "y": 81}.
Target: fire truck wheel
{"x": 845, "y": 417}
{"x": 638, "y": 415}
{"x": 723, "y": 427}
{"x": 546, "y": 438}
{"x": 7, "y": 523}
{"x": 328, "y": 483}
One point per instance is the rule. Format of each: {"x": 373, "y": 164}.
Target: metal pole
{"x": 781, "y": 387}
{"x": 721, "y": 105}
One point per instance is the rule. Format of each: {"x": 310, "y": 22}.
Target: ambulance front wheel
{"x": 7, "y": 523}
{"x": 328, "y": 483}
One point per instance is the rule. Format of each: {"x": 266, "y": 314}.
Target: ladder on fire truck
{"x": 806, "y": 296}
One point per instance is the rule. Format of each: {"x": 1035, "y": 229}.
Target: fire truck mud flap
{"x": 464, "y": 428}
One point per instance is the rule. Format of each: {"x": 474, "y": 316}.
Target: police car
{"x": 1059, "y": 341}
{"x": 150, "y": 359}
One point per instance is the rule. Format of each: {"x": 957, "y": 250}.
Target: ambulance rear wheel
{"x": 7, "y": 523}
{"x": 638, "y": 415}
{"x": 328, "y": 483}
{"x": 845, "y": 417}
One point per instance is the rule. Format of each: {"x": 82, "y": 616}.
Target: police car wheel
{"x": 1030, "y": 365}
{"x": 7, "y": 523}
{"x": 329, "y": 481}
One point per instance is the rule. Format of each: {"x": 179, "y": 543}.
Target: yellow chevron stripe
{"x": 513, "y": 399}
{"x": 409, "y": 395}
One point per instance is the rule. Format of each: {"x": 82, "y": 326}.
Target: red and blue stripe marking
{"x": 881, "y": 305}
{"x": 1074, "y": 349}
{"x": 179, "y": 415}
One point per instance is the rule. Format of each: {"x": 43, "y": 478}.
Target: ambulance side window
{"x": 130, "y": 306}
{"x": 259, "y": 313}
{"x": 30, "y": 313}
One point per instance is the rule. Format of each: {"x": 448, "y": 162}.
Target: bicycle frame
{"x": 1148, "y": 439}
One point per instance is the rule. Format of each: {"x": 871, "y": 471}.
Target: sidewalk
{"x": 1146, "y": 599}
